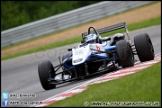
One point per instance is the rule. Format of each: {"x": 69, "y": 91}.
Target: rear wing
{"x": 110, "y": 28}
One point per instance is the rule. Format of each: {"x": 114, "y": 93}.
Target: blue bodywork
{"x": 109, "y": 48}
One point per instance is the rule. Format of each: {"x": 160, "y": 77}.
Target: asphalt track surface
{"x": 20, "y": 75}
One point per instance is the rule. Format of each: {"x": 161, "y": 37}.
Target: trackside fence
{"x": 66, "y": 20}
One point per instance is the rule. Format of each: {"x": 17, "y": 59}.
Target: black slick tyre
{"x": 144, "y": 47}
{"x": 125, "y": 54}
{"x": 45, "y": 69}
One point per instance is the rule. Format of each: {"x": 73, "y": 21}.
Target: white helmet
{"x": 91, "y": 38}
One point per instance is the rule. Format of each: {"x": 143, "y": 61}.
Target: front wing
{"x": 86, "y": 75}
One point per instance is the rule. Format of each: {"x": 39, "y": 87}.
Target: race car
{"x": 96, "y": 55}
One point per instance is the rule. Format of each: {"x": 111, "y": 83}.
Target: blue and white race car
{"x": 96, "y": 55}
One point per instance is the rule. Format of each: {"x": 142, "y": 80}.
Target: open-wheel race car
{"x": 96, "y": 55}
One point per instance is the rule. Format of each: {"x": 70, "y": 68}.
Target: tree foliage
{"x": 16, "y": 13}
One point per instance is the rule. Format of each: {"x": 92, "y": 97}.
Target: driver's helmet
{"x": 91, "y": 38}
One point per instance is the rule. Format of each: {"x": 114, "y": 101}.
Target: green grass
{"x": 143, "y": 86}
{"x": 154, "y": 21}
{"x": 33, "y": 39}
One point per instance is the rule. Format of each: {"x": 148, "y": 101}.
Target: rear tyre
{"x": 144, "y": 47}
{"x": 125, "y": 54}
{"x": 45, "y": 69}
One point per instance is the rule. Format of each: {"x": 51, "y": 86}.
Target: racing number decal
{"x": 97, "y": 47}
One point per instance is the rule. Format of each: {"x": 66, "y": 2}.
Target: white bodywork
{"x": 81, "y": 54}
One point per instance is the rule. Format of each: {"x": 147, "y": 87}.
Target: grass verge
{"x": 143, "y": 86}
{"x": 143, "y": 24}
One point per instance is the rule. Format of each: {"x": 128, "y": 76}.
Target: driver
{"x": 91, "y": 38}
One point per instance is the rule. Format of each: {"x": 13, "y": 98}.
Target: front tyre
{"x": 45, "y": 69}
{"x": 125, "y": 54}
{"x": 144, "y": 47}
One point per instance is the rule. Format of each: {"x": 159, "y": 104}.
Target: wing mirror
{"x": 82, "y": 41}
{"x": 69, "y": 49}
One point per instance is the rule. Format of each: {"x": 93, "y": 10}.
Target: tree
{"x": 16, "y": 13}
